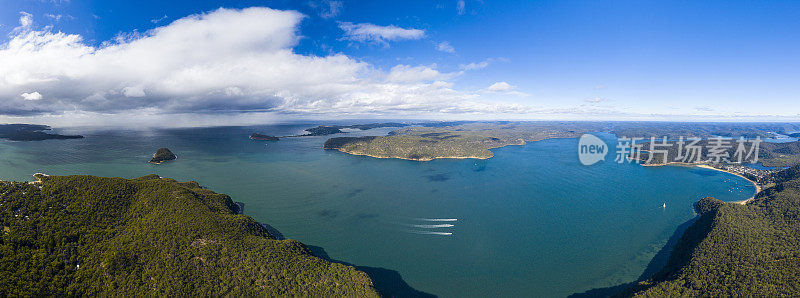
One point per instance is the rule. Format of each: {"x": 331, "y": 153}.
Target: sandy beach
{"x": 743, "y": 202}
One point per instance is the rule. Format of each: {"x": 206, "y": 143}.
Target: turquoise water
{"x": 531, "y": 221}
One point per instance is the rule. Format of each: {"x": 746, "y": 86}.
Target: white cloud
{"x": 330, "y": 8}
{"x": 226, "y": 61}
{"x": 25, "y": 21}
{"x": 460, "y": 7}
{"x": 31, "y": 96}
{"x": 596, "y": 100}
{"x": 408, "y": 73}
{"x": 482, "y": 64}
{"x": 474, "y": 65}
{"x": 366, "y": 32}
{"x": 133, "y": 92}
{"x": 156, "y": 21}
{"x": 500, "y": 86}
{"x": 445, "y": 47}
{"x": 704, "y": 109}
{"x": 54, "y": 17}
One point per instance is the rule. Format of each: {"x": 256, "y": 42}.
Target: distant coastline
{"x": 31, "y": 132}
{"x": 414, "y": 159}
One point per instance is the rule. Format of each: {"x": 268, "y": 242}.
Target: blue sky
{"x": 575, "y": 60}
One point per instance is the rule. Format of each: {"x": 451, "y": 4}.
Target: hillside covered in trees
{"x": 737, "y": 250}
{"x": 87, "y": 236}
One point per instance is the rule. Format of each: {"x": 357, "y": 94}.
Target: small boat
{"x": 664, "y": 205}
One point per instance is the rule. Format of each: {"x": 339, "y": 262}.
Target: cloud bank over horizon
{"x": 228, "y": 61}
{"x": 253, "y": 65}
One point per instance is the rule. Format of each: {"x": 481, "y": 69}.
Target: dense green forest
{"x": 737, "y": 250}
{"x": 86, "y": 235}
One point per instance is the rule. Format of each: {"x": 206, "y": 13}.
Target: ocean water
{"x": 531, "y": 221}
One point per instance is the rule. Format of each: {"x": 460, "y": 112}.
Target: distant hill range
{"x": 463, "y": 139}
{"x": 769, "y": 154}
{"x": 30, "y": 132}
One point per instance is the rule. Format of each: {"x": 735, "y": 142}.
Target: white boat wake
{"x": 433, "y": 226}
{"x": 432, "y": 233}
{"x": 437, "y": 219}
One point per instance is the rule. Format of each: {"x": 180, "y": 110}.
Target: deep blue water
{"x": 531, "y": 221}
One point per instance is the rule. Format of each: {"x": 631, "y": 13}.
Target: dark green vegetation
{"x": 323, "y": 130}
{"x": 467, "y": 140}
{"x": 262, "y": 137}
{"x": 737, "y": 250}
{"x": 92, "y": 236}
{"x": 30, "y": 132}
{"x": 163, "y": 154}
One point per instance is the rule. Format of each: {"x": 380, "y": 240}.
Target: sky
{"x": 188, "y": 63}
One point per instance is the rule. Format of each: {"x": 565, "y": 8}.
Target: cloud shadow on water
{"x": 441, "y": 177}
{"x": 327, "y": 213}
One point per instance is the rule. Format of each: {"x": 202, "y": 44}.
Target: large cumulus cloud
{"x": 232, "y": 61}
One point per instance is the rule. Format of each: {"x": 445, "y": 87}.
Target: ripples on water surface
{"x": 531, "y": 221}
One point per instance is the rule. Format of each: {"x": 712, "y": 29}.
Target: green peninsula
{"x": 150, "y": 236}
{"x": 737, "y": 250}
{"x": 459, "y": 140}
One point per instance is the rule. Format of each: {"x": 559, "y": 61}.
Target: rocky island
{"x": 162, "y": 155}
{"x": 151, "y": 236}
{"x": 263, "y": 137}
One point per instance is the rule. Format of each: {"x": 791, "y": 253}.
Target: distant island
{"x": 31, "y": 132}
{"x": 262, "y": 137}
{"x": 151, "y": 236}
{"x": 323, "y": 130}
{"x": 162, "y": 155}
